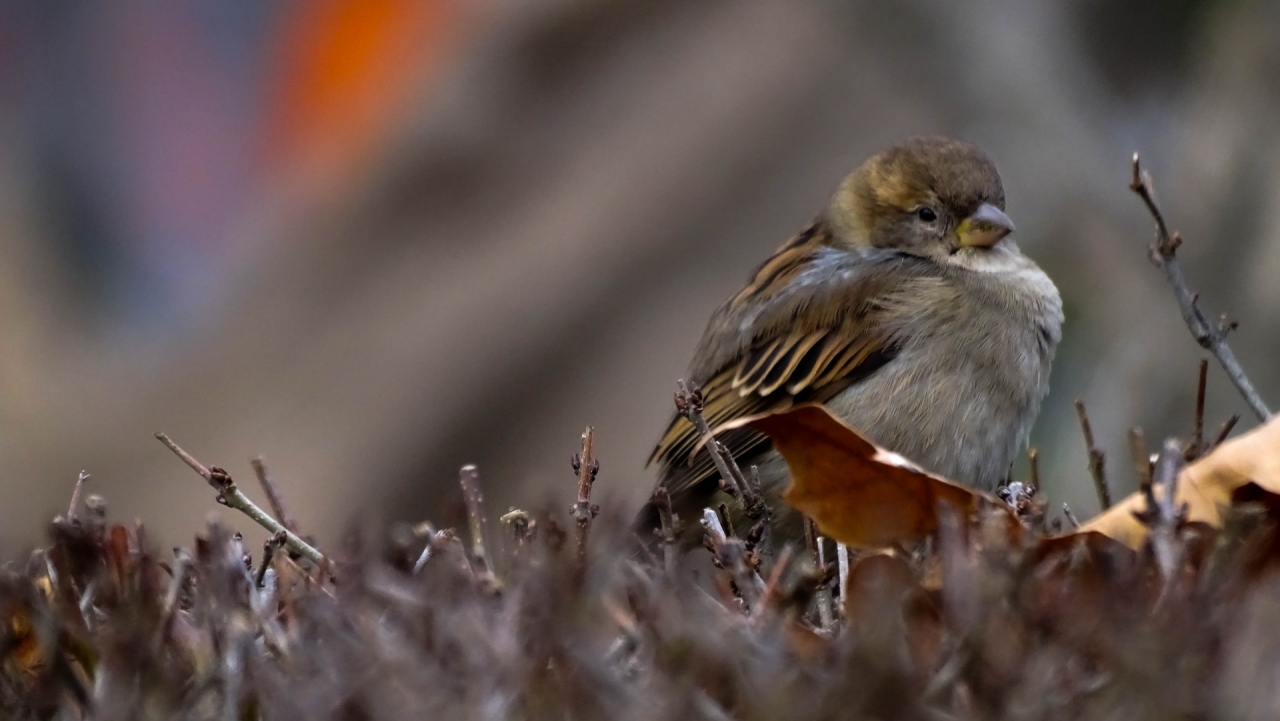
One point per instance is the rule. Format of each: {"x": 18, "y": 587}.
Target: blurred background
{"x": 373, "y": 240}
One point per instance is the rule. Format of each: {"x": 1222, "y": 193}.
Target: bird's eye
{"x": 926, "y": 214}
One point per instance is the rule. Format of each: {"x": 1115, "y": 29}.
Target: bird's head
{"x": 931, "y": 197}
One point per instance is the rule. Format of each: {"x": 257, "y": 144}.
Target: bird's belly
{"x": 965, "y": 421}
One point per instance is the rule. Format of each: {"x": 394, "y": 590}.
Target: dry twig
{"x": 586, "y": 466}
{"x": 731, "y": 555}
{"x": 76, "y": 495}
{"x": 177, "y": 578}
{"x": 1163, "y": 514}
{"x": 1195, "y": 447}
{"x": 1071, "y": 517}
{"x": 269, "y": 549}
{"x": 1141, "y": 459}
{"x": 816, "y": 555}
{"x": 689, "y": 404}
{"x": 1224, "y": 431}
{"x": 771, "y": 594}
{"x": 1033, "y": 467}
{"x": 1210, "y": 335}
{"x": 667, "y": 520}
{"x": 275, "y": 499}
{"x": 842, "y": 570}
{"x": 469, "y": 479}
{"x": 1097, "y": 459}
{"x": 233, "y": 497}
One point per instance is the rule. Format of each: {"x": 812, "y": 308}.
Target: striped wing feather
{"x": 785, "y": 361}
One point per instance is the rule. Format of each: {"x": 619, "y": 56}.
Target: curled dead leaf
{"x": 867, "y": 497}
{"x": 1206, "y": 486}
{"x": 858, "y": 493}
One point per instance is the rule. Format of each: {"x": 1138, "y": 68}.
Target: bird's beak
{"x": 984, "y": 228}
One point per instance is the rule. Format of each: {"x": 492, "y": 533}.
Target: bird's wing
{"x": 813, "y": 320}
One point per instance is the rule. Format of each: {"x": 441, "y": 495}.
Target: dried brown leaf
{"x": 1206, "y": 486}
{"x": 858, "y": 493}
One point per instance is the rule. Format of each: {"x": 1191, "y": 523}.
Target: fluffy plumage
{"x": 904, "y": 308}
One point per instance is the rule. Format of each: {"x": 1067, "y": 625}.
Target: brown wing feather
{"x": 780, "y": 359}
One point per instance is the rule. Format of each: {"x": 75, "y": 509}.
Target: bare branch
{"x": 1211, "y": 336}
{"x": 177, "y": 578}
{"x": 823, "y": 597}
{"x": 842, "y": 565}
{"x": 1097, "y": 459}
{"x": 274, "y": 498}
{"x": 1196, "y": 446}
{"x": 770, "y": 593}
{"x": 269, "y": 549}
{"x": 232, "y": 497}
{"x": 689, "y": 404}
{"x": 1033, "y": 463}
{"x": 469, "y": 479}
{"x": 667, "y": 521}
{"x": 175, "y": 582}
{"x": 436, "y": 540}
{"x": 76, "y": 494}
{"x": 1163, "y": 514}
{"x": 1071, "y": 517}
{"x": 730, "y": 554}
{"x": 586, "y": 466}
{"x": 1141, "y": 459}
{"x": 1224, "y": 431}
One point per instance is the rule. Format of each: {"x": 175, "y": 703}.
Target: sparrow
{"x": 904, "y": 308}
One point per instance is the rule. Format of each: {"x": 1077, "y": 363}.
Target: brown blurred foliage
{"x": 966, "y": 625}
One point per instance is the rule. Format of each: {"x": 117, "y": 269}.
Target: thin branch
{"x": 1210, "y": 335}
{"x": 232, "y": 497}
{"x": 274, "y": 498}
{"x": 76, "y": 494}
{"x": 760, "y": 536}
{"x": 667, "y": 520}
{"x": 1163, "y": 515}
{"x": 689, "y": 404}
{"x": 177, "y": 578}
{"x": 823, "y": 597}
{"x": 1071, "y": 517}
{"x": 269, "y": 549}
{"x": 730, "y": 554}
{"x": 180, "y": 567}
{"x": 586, "y": 466}
{"x": 469, "y": 479}
{"x": 1097, "y": 459}
{"x": 1141, "y": 459}
{"x": 842, "y": 564}
{"x": 769, "y": 596}
{"x": 1196, "y": 447}
{"x": 1224, "y": 431}
{"x": 1033, "y": 463}
{"x": 429, "y": 531}
{"x": 444, "y": 541}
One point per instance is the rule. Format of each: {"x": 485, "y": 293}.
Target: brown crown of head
{"x": 925, "y": 195}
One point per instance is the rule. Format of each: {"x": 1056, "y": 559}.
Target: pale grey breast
{"x": 968, "y": 418}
